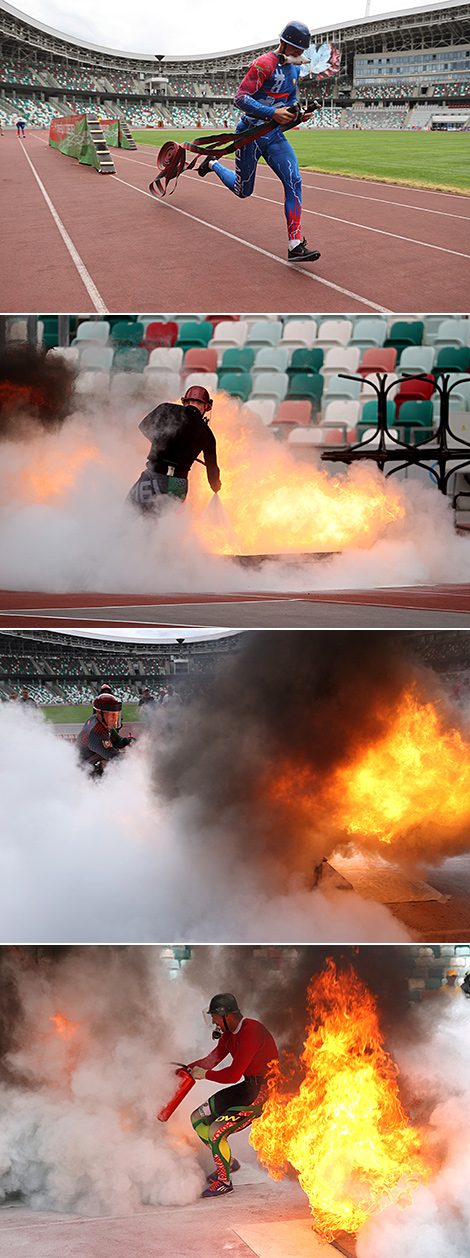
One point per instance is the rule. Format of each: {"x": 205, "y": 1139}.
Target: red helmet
{"x": 197, "y": 394}
{"x": 105, "y": 690}
{"x": 108, "y": 710}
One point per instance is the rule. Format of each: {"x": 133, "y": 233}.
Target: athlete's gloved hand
{"x": 282, "y": 116}
{"x": 197, "y": 1072}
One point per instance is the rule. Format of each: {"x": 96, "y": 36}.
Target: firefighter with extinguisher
{"x": 99, "y": 740}
{"x": 178, "y": 434}
{"x": 252, "y": 1049}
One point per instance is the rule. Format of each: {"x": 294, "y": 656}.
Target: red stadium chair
{"x": 197, "y": 359}
{"x": 376, "y": 359}
{"x": 414, "y": 391}
{"x": 293, "y": 414}
{"x": 160, "y": 334}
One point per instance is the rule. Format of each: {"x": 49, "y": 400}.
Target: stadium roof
{"x": 336, "y": 31}
{"x": 148, "y": 637}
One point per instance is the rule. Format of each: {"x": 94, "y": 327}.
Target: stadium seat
{"x": 70, "y": 353}
{"x": 369, "y": 332}
{"x": 369, "y": 381}
{"x": 417, "y": 358}
{"x": 229, "y": 335}
{"x": 126, "y": 384}
{"x": 297, "y": 413}
{"x": 453, "y": 332}
{"x": 308, "y": 387}
{"x": 237, "y": 359}
{"x": 162, "y": 386}
{"x": 299, "y": 333}
{"x": 337, "y": 387}
{"x": 90, "y": 331}
{"x": 413, "y": 391}
{"x": 96, "y": 358}
{"x": 126, "y": 332}
{"x": 263, "y": 407}
{"x": 191, "y": 334}
{"x": 452, "y": 359}
{"x": 221, "y": 318}
{"x": 270, "y": 384}
{"x": 315, "y": 436}
{"x": 269, "y": 358}
{"x": 432, "y": 324}
{"x": 264, "y": 332}
{"x": 402, "y": 334}
{"x": 344, "y": 412}
{"x": 369, "y": 415}
{"x": 310, "y": 360}
{"x": 459, "y": 399}
{"x": 166, "y": 358}
{"x": 334, "y": 332}
{"x": 374, "y": 359}
{"x": 130, "y": 358}
{"x": 339, "y": 359}
{"x": 92, "y": 383}
{"x": 237, "y": 384}
{"x": 415, "y": 415}
{"x": 374, "y": 440}
{"x": 159, "y": 334}
{"x": 197, "y": 359}
{"x": 206, "y": 379}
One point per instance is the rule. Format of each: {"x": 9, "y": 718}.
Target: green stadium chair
{"x": 415, "y": 415}
{"x": 50, "y": 335}
{"x": 192, "y": 334}
{"x": 310, "y": 360}
{"x": 369, "y": 415}
{"x": 130, "y": 358}
{"x": 451, "y": 358}
{"x": 126, "y": 332}
{"x": 403, "y": 334}
{"x": 308, "y": 387}
{"x": 237, "y": 359}
{"x": 271, "y": 358}
{"x": 237, "y": 385}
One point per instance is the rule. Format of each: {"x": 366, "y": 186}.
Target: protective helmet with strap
{"x": 108, "y": 709}
{"x": 297, "y": 34}
{"x": 197, "y": 394}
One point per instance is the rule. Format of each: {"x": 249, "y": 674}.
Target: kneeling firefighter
{"x": 99, "y": 739}
{"x": 252, "y": 1049}
{"x": 178, "y": 433}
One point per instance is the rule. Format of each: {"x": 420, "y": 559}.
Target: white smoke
{"x": 107, "y": 861}
{"x": 434, "y": 1065}
{"x": 86, "y": 537}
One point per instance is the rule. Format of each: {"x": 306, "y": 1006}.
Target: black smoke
{"x": 35, "y": 392}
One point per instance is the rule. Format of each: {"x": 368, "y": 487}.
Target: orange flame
{"x": 415, "y": 780}
{"x": 64, "y": 1026}
{"x": 277, "y": 505}
{"x": 54, "y": 472}
{"x": 344, "y": 1130}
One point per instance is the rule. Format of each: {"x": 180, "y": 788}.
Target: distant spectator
{"x": 450, "y": 986}
{"x": 26, "y": 698}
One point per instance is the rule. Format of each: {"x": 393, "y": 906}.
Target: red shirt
{"x": 252, "y": 1048}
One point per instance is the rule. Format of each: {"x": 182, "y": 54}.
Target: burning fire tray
{"x": 294, "y": 557}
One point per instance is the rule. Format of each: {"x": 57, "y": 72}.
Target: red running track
{"x": 421, "y": 606}
{"x": 384, "y": 247}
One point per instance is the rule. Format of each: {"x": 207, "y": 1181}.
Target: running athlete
{"x": 269, "y": 91}
{"x": 178, "y": 434}
{"x": 252, "y": 1048}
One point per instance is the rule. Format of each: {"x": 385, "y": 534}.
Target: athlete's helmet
{"x": 297, "y": 34}
{"x": 105, "y": 689}
{"x": 108, "y": 709}
{"x": 223, "y": 1003}
{"x": 197, "y": 394}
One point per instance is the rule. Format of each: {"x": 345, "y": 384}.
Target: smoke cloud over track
{"x": 309, "y": 743}
{"x": 112, "y": 860}
{"x": 65, "y": 524}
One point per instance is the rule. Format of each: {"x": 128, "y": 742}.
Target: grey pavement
{"x": 260, "y": 1217}
{"x": 296, "y": 613}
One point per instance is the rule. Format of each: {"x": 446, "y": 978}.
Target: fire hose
{"x": 171, "y": 158}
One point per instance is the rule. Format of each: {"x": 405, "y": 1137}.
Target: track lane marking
{"x": 94, "y": 295}
{"x": 248, "y": 245}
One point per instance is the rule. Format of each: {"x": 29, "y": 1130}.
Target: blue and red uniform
{"x": 267, "y": 86}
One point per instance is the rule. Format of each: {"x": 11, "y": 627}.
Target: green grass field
{"x": 78, "y": 713}
{"x": 420, "y": 159}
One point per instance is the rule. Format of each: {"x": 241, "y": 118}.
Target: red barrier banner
{"x": 61, "y": 127}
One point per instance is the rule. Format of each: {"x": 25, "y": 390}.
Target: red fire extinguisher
{"x": 185, "y": 1083}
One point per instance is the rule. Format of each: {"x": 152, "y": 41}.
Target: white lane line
{"x": 85, "y": 276}
{"x": 359, "y": 196}
{"x": 283, "y": 261}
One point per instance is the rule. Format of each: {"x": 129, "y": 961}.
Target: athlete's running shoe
{"x": 234, "y": 1166}
{"x": 204, "y": 168}
{"x": 217, "y": 1188}
{"x": 302, "y": 253}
